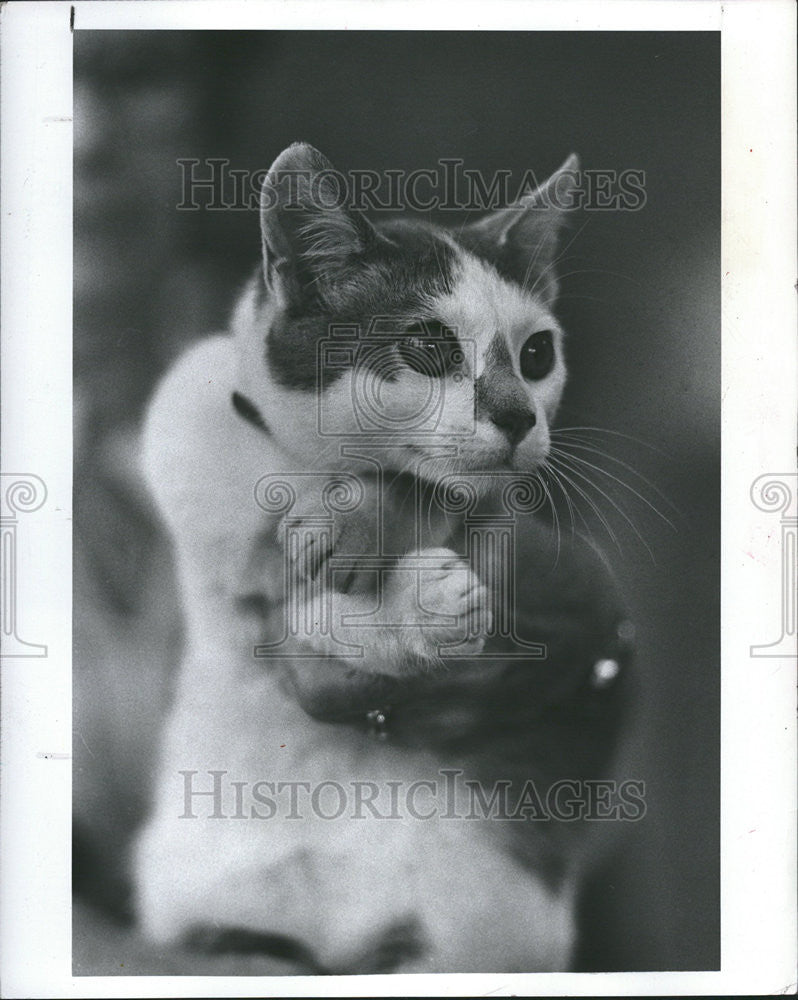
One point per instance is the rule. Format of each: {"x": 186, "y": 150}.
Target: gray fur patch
{"x": 412, "y": 266}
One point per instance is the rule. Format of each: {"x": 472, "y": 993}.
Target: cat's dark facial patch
{"x": 393, "y": 285}
{"x": 431, "y": 348}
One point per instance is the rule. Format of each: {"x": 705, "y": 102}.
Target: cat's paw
{"x": 434, "y": 583}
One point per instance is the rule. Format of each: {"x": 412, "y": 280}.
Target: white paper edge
{"x": 758, "y": 419}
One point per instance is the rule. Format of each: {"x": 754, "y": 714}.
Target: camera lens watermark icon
{"x": 389, "y": 382}
{"x": 20, "y": 493}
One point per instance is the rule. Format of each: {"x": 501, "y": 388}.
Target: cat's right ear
{"x": 522, "y": 241}
{"x": 311, "y": 241}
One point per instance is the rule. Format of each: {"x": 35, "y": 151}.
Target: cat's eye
{"x": 430, "y": 348}
{"x": 537, "y": 355}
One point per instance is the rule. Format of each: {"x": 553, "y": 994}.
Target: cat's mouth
{"x": 486, "y": 460}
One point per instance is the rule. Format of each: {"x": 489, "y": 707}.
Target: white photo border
{"x": 759, "y": 366}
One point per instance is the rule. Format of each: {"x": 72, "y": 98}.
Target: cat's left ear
{"x": 522, "y": 241}
{"x": 312, "y": 242}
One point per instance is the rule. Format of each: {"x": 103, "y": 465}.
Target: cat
{"x": 397, "y": 670}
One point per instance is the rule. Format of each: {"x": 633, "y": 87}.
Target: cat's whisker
{"x": 573, "y": 506}
{"x": 573, "y": 431}
{"x": 466, "y": 221}
{"x": 430, "y": 511}
{"x": 600, "y": 270}
{"x": 577, "y": 472}
{"x": 538, "y": 250}
{"x": 586, "y": 298}
{"x": 560, "y": 275}
{"x": 403, "y": 499}
{"x": 441, "y": 269}
{"x": 561, "y": 475}
{"x": 555, "y": 516}
{"x": 558, "y": 258}
{"x": 578, "y": 445}
{"x": 574, "y": 466}
{"x": 588, "y": 499}
{"x": 531, "y": 265}
{"x": 551, "y": 471}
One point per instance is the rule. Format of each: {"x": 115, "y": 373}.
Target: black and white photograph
{"x": 399, "y": 628}
{"x": 399, "y": 487}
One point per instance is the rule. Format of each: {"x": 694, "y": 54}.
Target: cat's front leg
{"x": 311, "y": 543}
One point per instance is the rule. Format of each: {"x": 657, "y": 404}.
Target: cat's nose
{"x": 514, "y": 422}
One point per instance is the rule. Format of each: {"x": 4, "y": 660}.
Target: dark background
{"x": 640, "y": 301}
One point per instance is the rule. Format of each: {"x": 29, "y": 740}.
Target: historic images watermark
{"x": 20, "y": 493}
{"x": 212, "y": 184}
{"x": 777, "y": 493}
{"x": 218, "y": 795}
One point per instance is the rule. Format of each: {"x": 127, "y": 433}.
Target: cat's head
{"x": 435, "y": 346}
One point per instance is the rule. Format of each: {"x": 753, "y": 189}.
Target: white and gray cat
{"x": 463, "y": 313}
